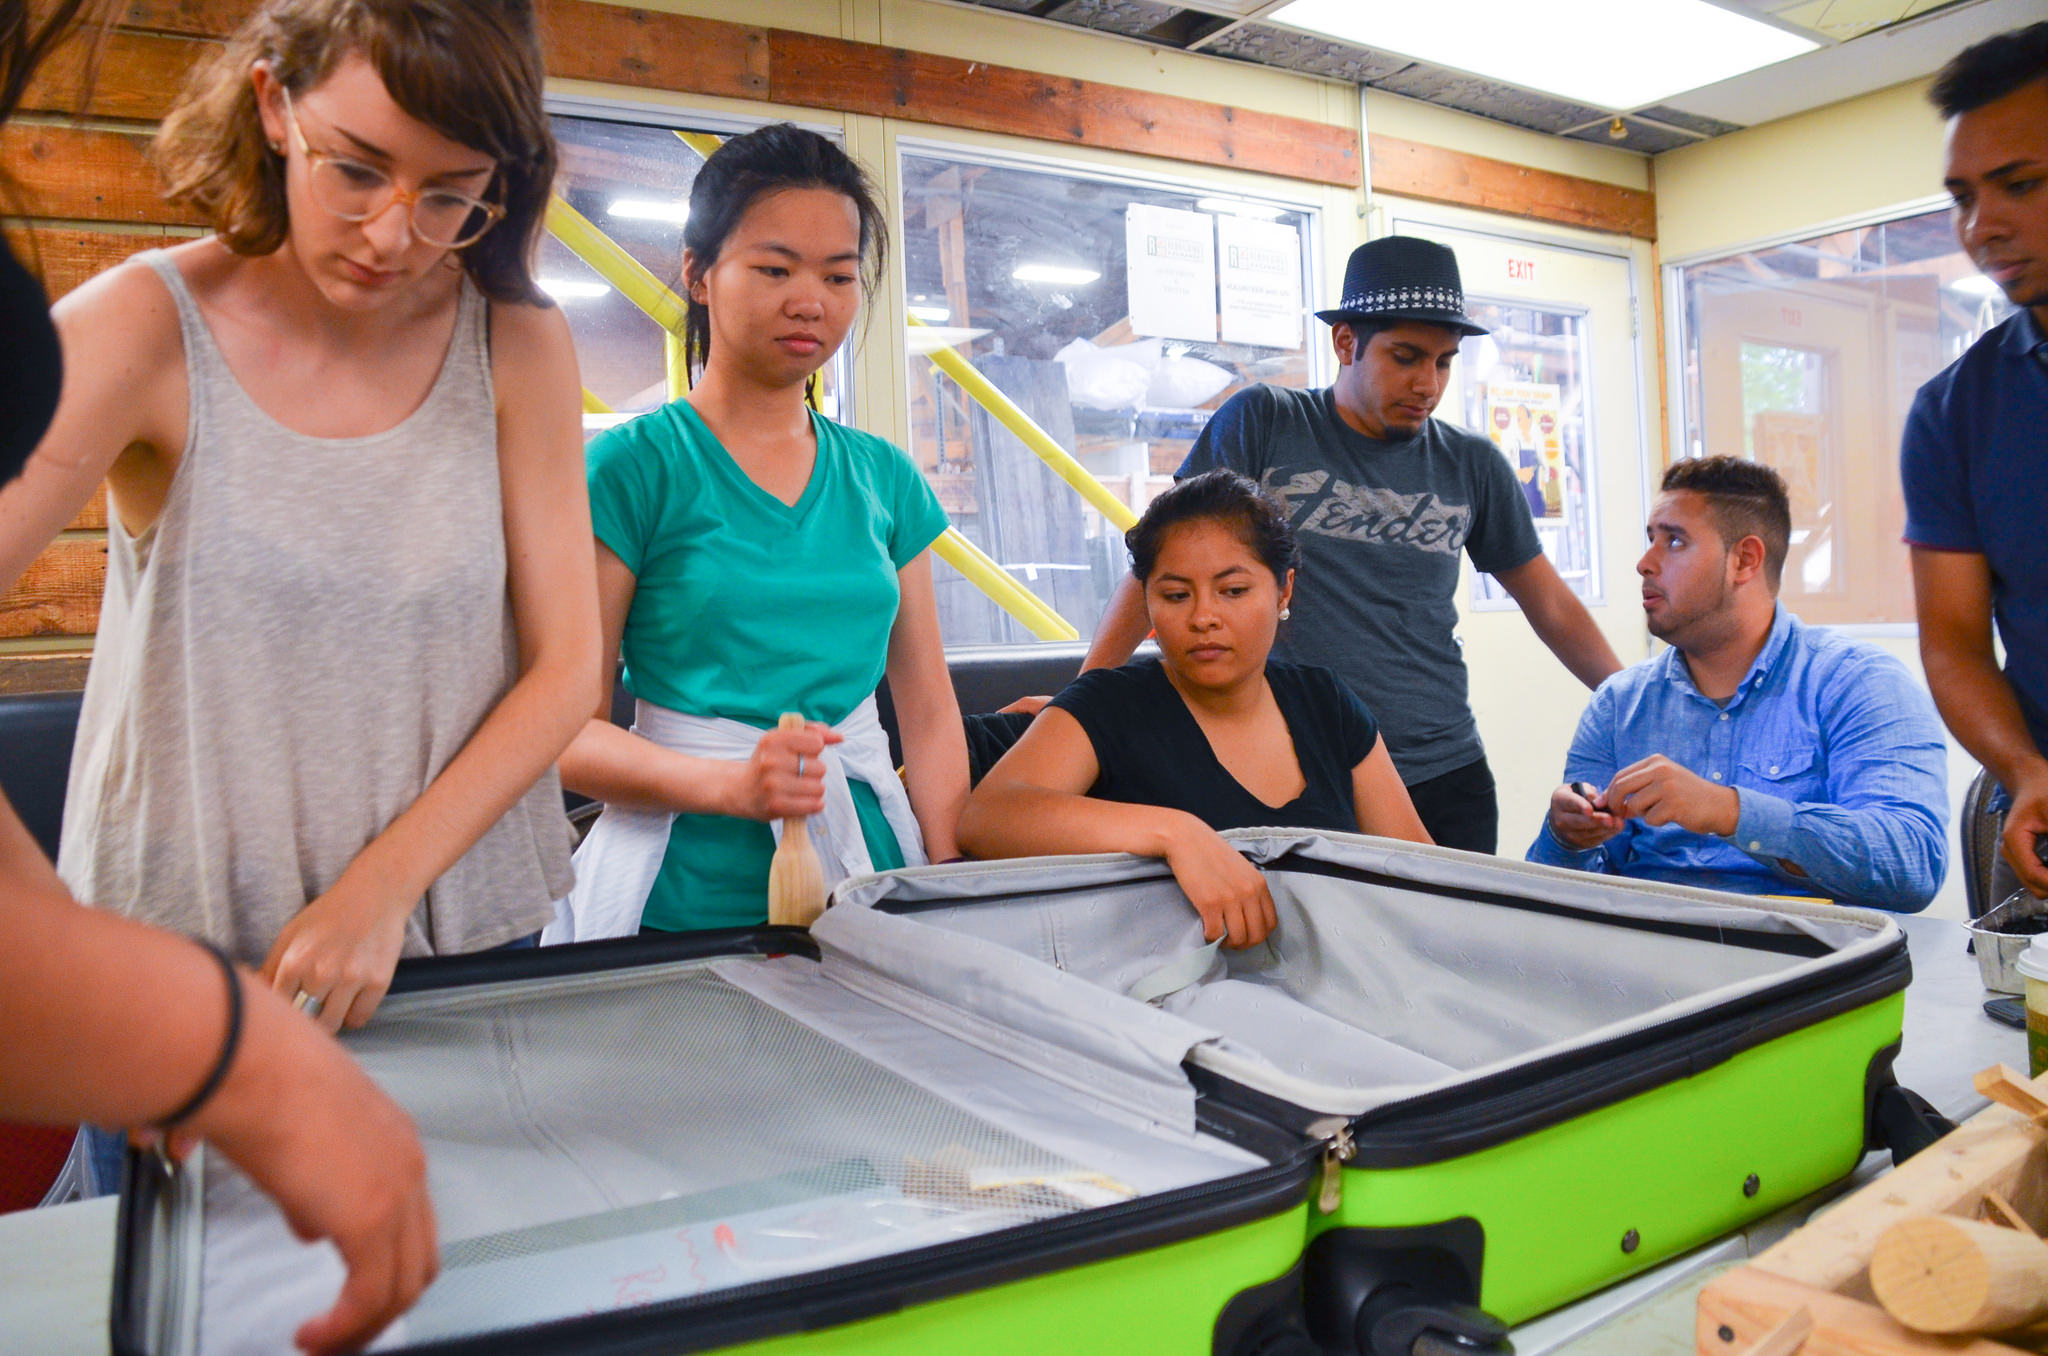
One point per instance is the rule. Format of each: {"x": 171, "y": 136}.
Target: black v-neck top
{"x": 1152, "y": 752}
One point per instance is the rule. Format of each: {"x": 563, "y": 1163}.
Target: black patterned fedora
{"x": 1403, "y": 277}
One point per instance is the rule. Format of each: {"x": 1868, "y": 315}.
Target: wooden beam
{"x": 59, "y": 594}
{"x": 87, "y": 176}
{"x": 41, "y": 671}
{"x": 650, "y": 49}
{"x": 69, "y": 256}
{"x": 139, "y": 75}
{"x": 857, "y": 77}
{"x": 1409, "y": 169}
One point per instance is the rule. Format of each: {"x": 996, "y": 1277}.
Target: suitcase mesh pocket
{"x": 611, "y": 1144}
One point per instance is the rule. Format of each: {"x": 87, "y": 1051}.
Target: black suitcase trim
{"x": 1477, "y": 1115}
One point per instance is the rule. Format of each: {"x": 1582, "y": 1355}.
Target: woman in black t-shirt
{"x": 1157, "y": 756}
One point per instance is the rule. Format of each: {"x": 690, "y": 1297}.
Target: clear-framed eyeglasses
{"x": 354, "y": 191}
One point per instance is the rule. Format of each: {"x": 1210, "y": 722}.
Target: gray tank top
{"x": 308, "y": 633}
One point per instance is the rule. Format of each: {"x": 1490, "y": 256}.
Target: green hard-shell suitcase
{"x": 1019, "y": 1107}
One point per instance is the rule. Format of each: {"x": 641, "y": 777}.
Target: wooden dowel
{"x": 1788, "y": 1337}
{"x": 1944, "y": 1275}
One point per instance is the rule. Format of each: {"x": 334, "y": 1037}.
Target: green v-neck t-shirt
{"x": 745, "y": 607}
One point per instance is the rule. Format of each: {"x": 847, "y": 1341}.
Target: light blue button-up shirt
{"x": 1835, "y": 753}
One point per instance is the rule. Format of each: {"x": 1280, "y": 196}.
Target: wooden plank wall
{"x": 81, "y": 161}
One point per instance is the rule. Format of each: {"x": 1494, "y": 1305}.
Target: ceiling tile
{"x": 1295, "y": 51}
{"x": 1132, "y": 18}
{"x": 1643, "y": 137}
{"x": 1488, "y": 98}
{"x": 1690, "y": 122}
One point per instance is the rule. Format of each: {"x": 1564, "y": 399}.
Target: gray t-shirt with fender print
{"x": 1381, "y": 524}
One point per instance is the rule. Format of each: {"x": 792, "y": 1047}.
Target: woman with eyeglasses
{"x": 350, "y": 617}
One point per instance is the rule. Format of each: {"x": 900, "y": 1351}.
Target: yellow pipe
{"x": 1012, "y": 597}
{"x": 678, "y": 370}
{"x": 1032, "y": 436}
{"x": 593, "y": 405}
{"x": 992, "y": 578}
{"x": 703, "y": 143}
{"x": 615, "y": 266}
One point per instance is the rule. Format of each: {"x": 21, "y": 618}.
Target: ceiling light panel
{"x": 1614, "y": 54}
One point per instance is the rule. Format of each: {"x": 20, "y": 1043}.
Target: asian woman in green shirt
{"x": 753, "y": 558}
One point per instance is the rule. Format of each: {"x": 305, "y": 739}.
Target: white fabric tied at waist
{"x": 618, "y": 861}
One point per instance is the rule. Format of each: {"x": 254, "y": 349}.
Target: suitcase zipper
{"x": 1338, "y": 1149}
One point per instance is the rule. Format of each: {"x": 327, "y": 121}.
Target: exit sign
{"x": 1521, "y": 270}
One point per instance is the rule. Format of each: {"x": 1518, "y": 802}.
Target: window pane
{"x": 1118, "y": 315}
{"x": 1806, "y": 357}
{"x": 632, "y": 181}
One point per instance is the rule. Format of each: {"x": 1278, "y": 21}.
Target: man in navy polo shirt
{"x": 1975, "y": 456}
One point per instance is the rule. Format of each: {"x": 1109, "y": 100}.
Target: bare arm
{"x": 619, "y": 767}
{"x": 927, "y": 713}
{"x": 1952, "y": 599}
{"x": 109, "y": 1022}
{"x": 1381, "y": 800}
{"x": 1124, "y": 623}
{"x": 121, "y": 415}
{"x": 1034, "y": 802}
{"x": 343, "y": 946}
{"x": 1560, "y": 620}
{"x": 22, "y": 863}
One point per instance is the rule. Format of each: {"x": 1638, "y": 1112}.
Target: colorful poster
{"x": 1525, "y": 421}
{"x": 1172, "y": 272}
{"x": 1258, "y": 280}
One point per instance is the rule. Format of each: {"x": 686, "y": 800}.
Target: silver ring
{"x": 799, "y": 767}
{"x": 307, "y": 1003}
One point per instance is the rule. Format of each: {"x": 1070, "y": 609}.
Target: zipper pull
{"x": 1336, "y": 1153}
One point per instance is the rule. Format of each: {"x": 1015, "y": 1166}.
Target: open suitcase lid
{"x": 1476, "y": 998}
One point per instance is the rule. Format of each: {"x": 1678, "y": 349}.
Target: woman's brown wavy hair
{"x": 469, "y": 69}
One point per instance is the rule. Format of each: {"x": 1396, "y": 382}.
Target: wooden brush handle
{"x": 796, "y": 881}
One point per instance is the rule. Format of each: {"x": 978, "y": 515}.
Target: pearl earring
{"x": 1284, "y": 614}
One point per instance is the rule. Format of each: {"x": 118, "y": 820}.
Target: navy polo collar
{"x": 2022, "y": 335}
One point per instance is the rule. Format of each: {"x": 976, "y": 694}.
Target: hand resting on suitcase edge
{"x": 1156, "y": 757}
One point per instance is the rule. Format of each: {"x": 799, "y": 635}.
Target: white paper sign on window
{"x": 1172, "y": 271}
{"x": 1258, "y": 277}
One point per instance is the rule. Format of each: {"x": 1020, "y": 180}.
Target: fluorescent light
{"x": 1238, "y": 209}
{"x": 1976, "y": 285}
{"x": 571, "y": 289}
{"x": 1615, "y": 54}
{"x": 1054, "y": 273}
{"x": 651, "y": 209}
{"x": 933, "y": 315}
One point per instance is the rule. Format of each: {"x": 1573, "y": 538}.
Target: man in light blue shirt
{"x": 1757, "y": 754}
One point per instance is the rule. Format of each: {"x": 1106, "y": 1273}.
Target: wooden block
{"x": 1747, "y": 1305}
{"x": 1788, "y": 1337}
{"x": 59, "y": 594}
{"x": 1946, "y": 1275}
{"x": 68, "y": 256}
{"x": 1994, "y": 1150}
{"x": 1410, "y": 169}
{"x": 1999, "y": 1210}
{"x": 88, "y": 176}
{"x": 2003, "y": 1084}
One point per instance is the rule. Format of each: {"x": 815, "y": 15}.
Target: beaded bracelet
{"x": 221, "y": 1064}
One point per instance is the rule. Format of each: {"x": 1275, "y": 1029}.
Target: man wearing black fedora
{"x": 1383, "y": 499}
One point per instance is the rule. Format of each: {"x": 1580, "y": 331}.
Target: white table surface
{"x": 56, "y": 1266}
